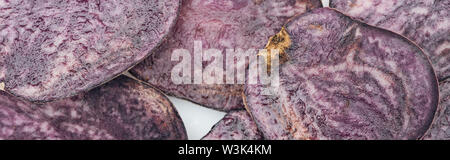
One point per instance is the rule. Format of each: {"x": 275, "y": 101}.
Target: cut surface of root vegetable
{"x": 426, "y": 22}
{"x": 345, "y": 80}
{"x": 122, "y": 109}
{"x": 55, "y": 49}
{"x": 221, "y": 25}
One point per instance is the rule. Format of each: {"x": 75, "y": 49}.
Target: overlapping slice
{"x": 55, "y": 49}
{"x": 232, "y": 24}
{"x": 346, "y": 80}
{"x": 236, "y": 125}
{"x": 440, "y": 129}
{"x": 120, "y": 109}
{"x": 426, "y": 22}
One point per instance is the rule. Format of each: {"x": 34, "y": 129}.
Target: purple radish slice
{"x": 55, "y": 49}
{"x": 234, "y": 24}
{"x": 345, "y": 80}
{"x": 122, "y": 109}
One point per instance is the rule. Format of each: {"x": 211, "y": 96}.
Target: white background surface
{"x": 198, "y": 120}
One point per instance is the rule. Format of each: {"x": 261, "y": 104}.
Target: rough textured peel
{"x": 280, "y": 42}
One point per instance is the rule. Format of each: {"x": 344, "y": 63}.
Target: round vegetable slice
{"x": 236, "y": 125}
{"x": 235, "y": 24}
{"x": 55, "y": 49}
{"x": 120, "y": 109}
{"x": 426, "y": 22}
{"x": 345, "y": 80}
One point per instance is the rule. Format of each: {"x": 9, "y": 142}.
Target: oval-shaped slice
{"x": 346, "y": 80}
{"x": 231, "y": 24}
{"x": 440, "y": 129}
{"x": 426, "y": 22}
{"x": 121, "y": 109}
{"x": 236, "y": 125}
{"x": 56, "y": 49}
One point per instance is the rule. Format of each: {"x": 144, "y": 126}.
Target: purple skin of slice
{"x": 236, "y": 125}
{"x": 122, "y": 109}
{"x": 346, "y": 80}
{"x": 234, "y": 24}
{"x": 426, "y": 22}
{"x": 50, "y": 50}
{"x": 440, "y": 129}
